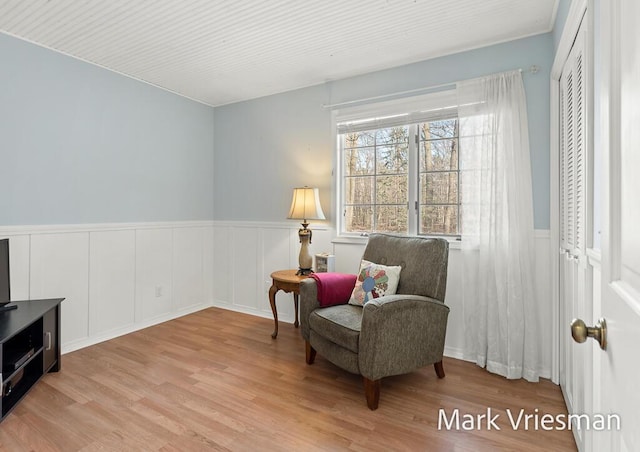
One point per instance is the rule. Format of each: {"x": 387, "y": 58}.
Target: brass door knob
{"x": 580, "y": 332}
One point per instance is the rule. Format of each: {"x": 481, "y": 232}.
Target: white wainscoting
{"x": 245, "y": 255}
{"x": 115, "y": 278}
{"x": 120, "y": 278}
{"x": 547, "y": 307}
{"x": 247, "y": 252}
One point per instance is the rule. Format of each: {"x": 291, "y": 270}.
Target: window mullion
{"x": 413, "y": 178}
{"x": 374, "y": 201}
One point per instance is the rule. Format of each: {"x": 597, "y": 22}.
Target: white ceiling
{"x": 223, "y": 51}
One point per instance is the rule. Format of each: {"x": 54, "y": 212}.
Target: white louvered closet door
{"x": 573, "y": 150}
{"x": 574, "y": 143}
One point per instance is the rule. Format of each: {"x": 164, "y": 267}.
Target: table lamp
{"x": 305, "y": 206}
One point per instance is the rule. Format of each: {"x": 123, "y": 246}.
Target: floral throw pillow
{"x": 374, "y": 281}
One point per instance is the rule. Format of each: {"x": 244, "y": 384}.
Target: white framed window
{"x": 398, "y": 167}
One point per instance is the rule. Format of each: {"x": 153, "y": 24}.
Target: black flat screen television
{"x": 5, "y": 289}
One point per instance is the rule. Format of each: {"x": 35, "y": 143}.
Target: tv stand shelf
{"x": 29, "y": 348}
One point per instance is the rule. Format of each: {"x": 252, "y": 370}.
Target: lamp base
{"x": 305, "y": 261}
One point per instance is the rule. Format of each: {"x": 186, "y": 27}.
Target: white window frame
{"x": 414, "y": 110}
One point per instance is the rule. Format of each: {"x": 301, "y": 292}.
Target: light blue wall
{"x": 80, "y": 144}
{"x": 267, "y": 146}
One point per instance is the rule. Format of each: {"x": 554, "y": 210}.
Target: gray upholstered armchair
{"x": 390, "y": 335}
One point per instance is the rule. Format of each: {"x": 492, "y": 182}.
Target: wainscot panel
{"x": 112, "y": 275}
{"x": 154, "y": 286}
{"x": 59, "y": 267}
{"x": 19, "y": 264}
{"x": 188, "y": 269}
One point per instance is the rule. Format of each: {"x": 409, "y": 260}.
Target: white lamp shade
{"x": 305, "y": 205}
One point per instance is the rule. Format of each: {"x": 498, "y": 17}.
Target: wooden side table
{"x": 288, "y": 281}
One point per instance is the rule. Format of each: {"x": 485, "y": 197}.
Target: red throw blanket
{"x": 334, "y": 288}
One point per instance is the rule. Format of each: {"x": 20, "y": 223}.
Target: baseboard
{"x": 121, "y": 331}
{"x": 254, "y": 312}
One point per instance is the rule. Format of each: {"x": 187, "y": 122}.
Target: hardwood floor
{"x": 215, "y": 380}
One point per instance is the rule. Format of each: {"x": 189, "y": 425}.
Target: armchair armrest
{"x": 308, "y": 303}
{"x": 323, "y": 290}
{"x": 401, "y": 333}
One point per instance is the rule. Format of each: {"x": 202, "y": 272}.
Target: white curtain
{"x": 497, "y": 226}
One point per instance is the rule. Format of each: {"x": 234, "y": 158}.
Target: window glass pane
{"x": 439, "y": 188}
{"x": 445, "y": 128}
{"x": 359, "y": 190}
{"x": 392, "y": 219}
{"x": 359, "y": 161}
{"x": 358, "y": 218}
{"x": 392, "y": 135}
{"x": 392, "y": 159}
{"x": 392, "y": 190}
{"x": 439, "y": 220}
{"x": 438, "y": 155}
{"x": 359, "y": 139}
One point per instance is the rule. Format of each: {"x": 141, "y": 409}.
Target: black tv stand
{"x": 29, "y": 347}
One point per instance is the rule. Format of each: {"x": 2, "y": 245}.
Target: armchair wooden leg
{"x": 439, "y": 369}
{"x": 372, "y": 392}
{"x": 310, "y": 352}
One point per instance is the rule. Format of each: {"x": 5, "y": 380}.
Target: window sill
{"x": 454, "y": 244}
{"x": 350, "y": 240}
